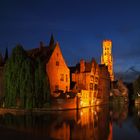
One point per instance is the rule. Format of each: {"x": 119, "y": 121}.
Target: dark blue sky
{"x": 78, "y": 25}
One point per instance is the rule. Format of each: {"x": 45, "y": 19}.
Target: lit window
{"x": 62, "y": 77}
{"x": 66, "y": 78}
{"x": 91, "y": 86}
{"x": 57, "y": 63}
{"x": 96, "y": 87}
{"x": 91, "y": 78}
{"x": 96, "y": 79}
{"x": 66, "y": 88}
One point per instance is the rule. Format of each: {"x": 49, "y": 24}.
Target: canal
{"x": 112, "y": 122}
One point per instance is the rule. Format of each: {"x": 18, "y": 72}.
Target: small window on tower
{"x": 62, "y": 77}
{"x": 91, "y": 86}
{"x": 57, "y": 63}
{"x": 66, "y": 78}
{"x": 92, "y": 78}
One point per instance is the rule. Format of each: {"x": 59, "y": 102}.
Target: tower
{"x": 107, "y": 57}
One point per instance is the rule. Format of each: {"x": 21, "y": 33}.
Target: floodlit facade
{"x": 58, "y": 72}
{"x": 56, "y": 68}
{"x": 107, "y": 57}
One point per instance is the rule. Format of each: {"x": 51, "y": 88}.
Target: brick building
{"x": 56, "y": 68}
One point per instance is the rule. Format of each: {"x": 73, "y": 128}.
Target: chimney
{"x": 82, "y": 65}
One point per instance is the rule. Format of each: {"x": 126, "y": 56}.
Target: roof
{"x": 88, "y": 66}
{"x": 43, "y": 52}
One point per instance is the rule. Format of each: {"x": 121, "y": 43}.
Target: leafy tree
{"x": 6, "y": 55}
{"x": 26, "y": 83}
{"x": 1, "y": 60}
{"x": 41, "y": 84}
{"x": 136, "y": 87}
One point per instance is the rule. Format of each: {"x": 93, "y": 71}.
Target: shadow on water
{"x": 97, "y": 123}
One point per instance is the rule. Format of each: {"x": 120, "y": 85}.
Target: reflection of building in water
{"x": 92, "y": 124}
{"x": 119, "y": 113}
{"x": 61, "y": 132}
{"x": 84, "y": 124}
{"x": 110, "y": 136}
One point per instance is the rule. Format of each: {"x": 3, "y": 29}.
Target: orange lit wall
{"x": 58, "y": 72}
{"x": 104, "y": 83}
{"x": 107, "y": 57}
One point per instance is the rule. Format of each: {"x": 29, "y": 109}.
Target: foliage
{"x": 136, "y": 87}
{"x": 1, "y": 60}
{"x": 25, "y": 81}
{"x": 6, "y": 55}
{"x": 41, "y": 84}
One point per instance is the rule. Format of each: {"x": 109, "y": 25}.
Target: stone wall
{"x": 64, "y": 104}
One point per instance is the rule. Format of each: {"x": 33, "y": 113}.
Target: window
{"x": 56, "y": 87}
{"x": 66, "y": 78}
{"x": 66, "y": 88}
{"x": 96, "y": 87}
{"x": 91, "y": 78}
{"x": 91, "y": 86}
{"x": 96, "y": 79}
{"x": 62, "y": 77}
{"x": 57, "y": 63}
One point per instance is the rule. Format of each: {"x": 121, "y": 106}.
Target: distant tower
{"x": 107, "y": 57}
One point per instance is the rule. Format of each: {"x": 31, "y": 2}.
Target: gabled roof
{"x": 43, "y": 52}
{"x": 88, "y": 66}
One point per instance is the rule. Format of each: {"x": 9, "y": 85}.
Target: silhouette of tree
{"x": 6, "y": 55}
{"x": 26, "y": 83}
{"x": 1, "y": 60}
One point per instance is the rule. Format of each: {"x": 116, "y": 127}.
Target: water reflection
{"x": 98, "y": 123}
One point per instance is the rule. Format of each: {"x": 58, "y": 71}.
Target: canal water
{"x": 113, "y": 122}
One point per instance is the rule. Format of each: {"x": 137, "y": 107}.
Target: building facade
{"x": 107, "y": 57}
{"x": 85, "y": 75}
{"x": 56, "y": 68}
{"x": 58, "y": 72}
{"x": 104, "y": 82}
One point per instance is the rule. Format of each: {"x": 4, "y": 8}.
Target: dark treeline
{"x": 136, "y": 88}
{"x": 26, "y": 81}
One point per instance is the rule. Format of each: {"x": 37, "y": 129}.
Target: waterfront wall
{"x": 62, "y": 104}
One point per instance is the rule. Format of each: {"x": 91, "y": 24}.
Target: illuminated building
{"x": 104, "y": 83}
{"x": 84, "y": 80}
{"x": 107, "y": 57}
{"x": 56, "y": 68}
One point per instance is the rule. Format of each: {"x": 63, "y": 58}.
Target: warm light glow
{"x": 107, "y": 57}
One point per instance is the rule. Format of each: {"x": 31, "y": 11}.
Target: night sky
{"x": 78, "y": 25}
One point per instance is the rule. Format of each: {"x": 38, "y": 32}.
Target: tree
{"x": 26, "y": 83}
{"x": 136, "y": 87}
{"x": 42, "y": 87}
{"x": 18, "y": 78}
{"x": 6, "y": 55}
{"x": 1, "y": 60}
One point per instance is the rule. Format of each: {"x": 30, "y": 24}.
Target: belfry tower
{"x": 107, "y": 57}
